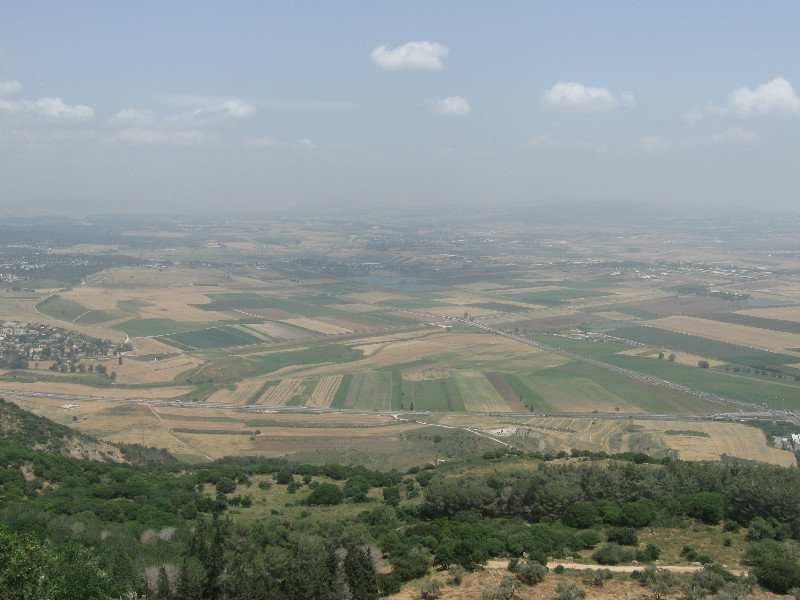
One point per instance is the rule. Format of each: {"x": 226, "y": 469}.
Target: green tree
{"x": 360, "y": 573}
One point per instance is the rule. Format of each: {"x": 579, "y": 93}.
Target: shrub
{"x": 226, "y": 485}
{"x": 559, "y": 569}
{"x": 326, "y": 494}
{"x": 612, "y": 554}
{"x": 531, "y": 572}
{"x": 624, "y": 536}
{"x": 506, "y": 590}
{"x": 456, "y": 573}
{"x": 569, "y": 591}
{"x": 430, "y": 588}
{"x": 590, "y": 538}
{"x": 659, "y": 581}
{"x": 778, "y": 575}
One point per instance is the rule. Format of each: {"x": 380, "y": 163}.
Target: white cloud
{"x": 577, "y": 97}
{"x": 229, "y": 108}
{"x": 731, "y": 136}
{"x": 140, "y": 135}
{"x": 774, "y": 98}
{"x": 454, "y": 106}
{"x": 135, "y": 116}
{"x": 49, "y": 109}
{"x": 9, "y": 88}
{"x": 311, "y": 105}
{"x": 411, "y": 56}
{"x": 306, "y": 143}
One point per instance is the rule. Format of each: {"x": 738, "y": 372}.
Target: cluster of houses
{"x": 790, "y": 442}
{"x": 38, "y": 342}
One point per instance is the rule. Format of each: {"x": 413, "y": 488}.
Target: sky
{"x": 223, "y": 107}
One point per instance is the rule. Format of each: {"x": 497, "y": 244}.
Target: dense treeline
{"x": 112, "y": 521}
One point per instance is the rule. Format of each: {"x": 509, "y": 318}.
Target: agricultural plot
{"x": 154, "y": 327}
{"x": 372, "y": 389}
{"x": 325, "y": 391}
{"x": 478, "y": 395}
{"x": 282, "y": 394}
{"x": 683, "y": 305}
{"x": 714, "y": 347}
{"x": 753, "y": 321}
{"x": 773, "y": 394}
{"x": 61, "y": 309}
{"x": 214, "y": 337}
{"x": 241, "y": 393}
{"x": 318, "y": 326}
{"x": 282, "y": 330}
{"x": 138, "y": 372}
{"x": 555, "y": 297}
{"x": 146, "y": 345}
{"x": 438, "y": 395}
{"x": 423, "y": 374}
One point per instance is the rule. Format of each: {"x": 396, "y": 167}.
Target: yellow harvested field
{"x": 733, "y": 439}
{"x": 243, "y": 391}
{"x": 373, "y": 296}
{"x": 77, "y": 389}
{"x": 324, "y": 393}
{"x": 178, "y": 311}
{"x": 482, "y": 285}
{"x": 146, "y": 345}
{"x": 279, "y": 395}
{"x": 317, "y": 326}
{"x": 752, "y": 337}
{"x": 458, "y": 311}
{"x": 476, "y": 347}
{"x": 95, "y": 298}
{"x": 133, "y": 371}
{"x": 423, "y": 374}
{"x": 613, "y": 315}
{"x": 680, "y": 357}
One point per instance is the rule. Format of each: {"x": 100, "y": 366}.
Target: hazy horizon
{"x": 246, "y": 107}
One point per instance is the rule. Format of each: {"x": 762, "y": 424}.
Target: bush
{"x": 778, "y": 575}
{"x": 569, "y": 591}
{"x": 624, "y": 536}
{"x": 456, "y": 573}
{"x": 559, "y": 569}
{"x": 506, "y": 590}
{"x": 326, "y": 494}
{"x": 531, "y": 572}
{"x": 430, "y": 588}
{"x": 650, "y": 553}
{"x": 659, "y": 581}
{"x": 226, "y": 486}
{"x": 590, "y": 538}
{"x": 689, "y": 553}
{"x": 612, "y": 554}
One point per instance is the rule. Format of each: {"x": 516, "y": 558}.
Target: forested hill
{"x": 39, "y": 433}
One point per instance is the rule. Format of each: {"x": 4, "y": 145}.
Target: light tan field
{"x": 243, "y": 391}
{"x": 145, "y": 345}
{"x": 318, "y": 326}
{"x": 423, "y": 374}
{"x": 458, "y": 311}
{"x": 152, "y": 371}
{"x": 680, "y": 357}
{"x": 452, "y": 348}
{"x": 753, "y": 337}
{"x": 76, "y": 389}
{"x": 613, "y": 315}
{"x": 479, "y": 286}
{"x": 325, "y": 391}
{"x": 614, "y": 435}
{"x": 373, "y": 296}
{"x": 733, "y": 439}
{"x": 356, "y": 307}
{"x": 280, "y": 394}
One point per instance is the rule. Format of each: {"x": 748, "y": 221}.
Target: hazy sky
{"x": 215, "y": 106}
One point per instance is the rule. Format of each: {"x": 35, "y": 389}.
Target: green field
{"x": 249, "y": 365}
{"x": 774, "y": 395}
{"x": 692, "y": 344}
{"x": 477, "y": 394}
{"x": 59, "y": 308}
{"x": 555, "y": 297}
{"x": 341, "y": 394}
{"x": 214, "y": 337}
{"x": 369, "y": 390}
{"x": 152, "y": 327}
{"x": 501, "y": 306}
{"x": 438, "y": 395}
{"x": 579, "y": 386}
